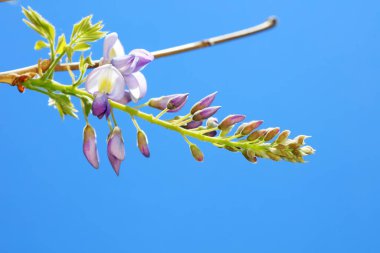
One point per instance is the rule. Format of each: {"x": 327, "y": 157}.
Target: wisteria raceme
{"x": 117, "y": 80}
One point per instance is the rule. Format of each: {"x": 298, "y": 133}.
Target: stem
{"x": 9, "y": 76}
{"x": 73, "y": 91}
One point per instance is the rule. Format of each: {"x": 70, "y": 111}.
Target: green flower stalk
{"x": 117, "y": 81}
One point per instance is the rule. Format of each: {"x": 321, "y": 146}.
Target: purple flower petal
{"x": 100, "y": 105}
{"x": 125, "y": 99}
{"x": 136, "y": 84}
{"x": 90, "y": 149}
{"x": 126, "y": 64}
{"x": 144, "y": 58}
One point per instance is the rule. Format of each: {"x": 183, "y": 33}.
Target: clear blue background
{"x": 317, "y": 73}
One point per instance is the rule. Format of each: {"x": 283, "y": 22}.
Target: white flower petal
{"x": 137, "y": 85}
{"x": 106, "y": 79}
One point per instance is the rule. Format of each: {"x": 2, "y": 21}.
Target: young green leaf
{"x": 39, "y": 24}
{"x": 61, "y": 44}
{"x": 40, "y": 45}
{"x": 63, "y": 104}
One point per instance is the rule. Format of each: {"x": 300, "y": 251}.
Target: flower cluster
{"x": 117, "y": 72}
{"x": 117, "y": 80}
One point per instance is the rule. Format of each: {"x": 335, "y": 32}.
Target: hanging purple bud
{"x": 196, "y": 152}
{"x": 211, "y": 134}
{"x": 247, "y": 129}
{"x": 192, "y": 124}
{"x": 90, "y": 149}
{"x": 177, "y": 102}
{"x": 142, "y": 143}
{"x": 115, "y": 149}
{"x": 230, "y": 120}
{"x": 212, "y": 122}
{"x": 282, "y": 137}
{"x": 203, "y": 103}
{"x": 162, "y": 102}
{"x": 100, "y": 105}
{"x": 205, "y": 113}
{"x": 250, "y": 155}
{"x": 271, "y": 133}
{"x": 256, "y": 134}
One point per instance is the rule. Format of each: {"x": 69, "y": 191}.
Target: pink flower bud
{"x": 205, "y": 113}
{"x": 115, "y": 149}
{"x": 271, "y": 133}
{"x": 90, "y": 149}
{"x": 256, "y": 134}
{"x": 203, "y": 103}
{"x": 230, "y": 120}
{"x": 196, "y": 152}
{"x": 142, "y": 143}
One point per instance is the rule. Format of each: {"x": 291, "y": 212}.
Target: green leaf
{"x": 40, "y": 45}
{"x": 85, "y": 32}
{"x": 63, "y": 104}
{"x": 81, "y": 47}
{"x": 61, "y": 44}
{"x": 39, "y": 24}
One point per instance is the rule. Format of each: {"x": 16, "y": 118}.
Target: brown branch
{"x": 9, "y": 76}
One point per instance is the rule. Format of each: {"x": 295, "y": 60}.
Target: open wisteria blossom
{"x": 116, "y": 82}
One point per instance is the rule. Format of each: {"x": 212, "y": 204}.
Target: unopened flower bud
{"x": 271, "y": 133}
{"x": 196, "y": 152}
{"x": 90, "y": 149}
{"x": 256, "y": 134}
{"x": 192, "y": 124}
{"x": 240, "y": 128}
{"x": 282, "y": 137}
{"x": 230, "y": 121}
{"x": 205, "y": 113}
{"x": 177, "y": 102}
{"x": 273, "y": 157}
{"x": 300, "y": 139}
{"x": 250, "y": 155}
{"x": 162, "y": 102}
{"x": 115, "y": 149}
{"x": 308, "y": 150}
{"x": 203, "y": 103}
{"x": 142, "y": 143}
{"x": 211, "y": 134}
{"x": 249, "y": 127}
{"x": 212, "y": 122}
{"x": 100, "y": 105}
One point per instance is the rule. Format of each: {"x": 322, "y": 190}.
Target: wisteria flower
{"x": 129, "y": 65}
{"x": 105, "y": 82}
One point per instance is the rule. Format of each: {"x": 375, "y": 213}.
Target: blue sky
{"x": 317, "y": 73}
